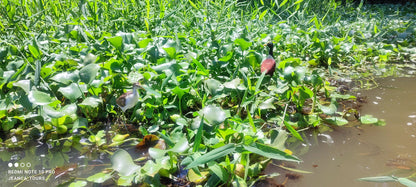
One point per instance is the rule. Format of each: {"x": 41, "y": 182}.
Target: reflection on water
{"x": 340, "y": 157}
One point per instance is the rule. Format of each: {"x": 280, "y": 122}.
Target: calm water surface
{"x": 340, "y": 157}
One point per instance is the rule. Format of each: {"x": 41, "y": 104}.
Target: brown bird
{"x": 269, "y": 64}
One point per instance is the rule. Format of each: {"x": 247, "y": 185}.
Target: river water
{"x": 340, "y": 157}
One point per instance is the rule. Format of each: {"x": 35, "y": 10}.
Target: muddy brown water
{"x": 340, "y": 157}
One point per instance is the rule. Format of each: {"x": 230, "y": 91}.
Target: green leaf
{"x": 214, "y": 115}
{"x": 66, "y": 77}
{"x": 92, "y": 101}
{"x": 368, "y": 119}
{"x": 151, "y": 168}
{"x": 378, "y": 179}
{"x": 171, "y": 51}
{"x": 339, "y": 121}
{"x": 262, "y": 14}
{"x": 34, "y": 51}
{"x": 157, "y": 153}
{"x": 78, "y": 184}
{"x": 283, "y": 3}
{"x": 243, "y": 43}
{"x": 293, "y": 131}
{"x": 71, "y": 92}
{"x": 270, "y": 152}
{"x": 329, "y": 110}
{"x": 66, "y": 110}
{"x": 214, "y": 87}
{"x": 198, "y": 135}
{"x": 116, "y": 41}
{"x": 99, "y": 177}
{"x": 24, "y": 84}
{"x": 125, "y": 180}
{"x": 233, "y": 84}
{"x": 212, "y": 155}
{"x": 220, "y": 172}
{"x": 87, "y": 73}
{"x": 180, "y": 146}
{"x": 39, "y": 98}
{"x": 145, "y": 42}
{"x": 122, "y": 162}
{"x": 406, "y": 182}
{"x": 267, "y": 104}
{"x": 180, "y": 92}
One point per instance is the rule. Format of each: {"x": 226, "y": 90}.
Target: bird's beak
{"x": 265, "y": 44}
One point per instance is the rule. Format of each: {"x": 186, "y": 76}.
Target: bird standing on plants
{"x": 269, "y": 64}
{"x": 129, "y": 99}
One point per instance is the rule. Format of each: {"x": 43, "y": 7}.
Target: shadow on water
{"x": 340, "y": 156}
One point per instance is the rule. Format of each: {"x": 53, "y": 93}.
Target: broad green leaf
{"x": 157, "y": 153}
{"x": 227, "y": 57}
{"x": 151, "y": 168}
{"x": 116, "y": 41}
{"x": 179, "y": 91}
{"x": 125, "y": 180}
{"x": 329, "y": 110}
{"x": 233, "y": 84}
{"x": 145, "y": 42}
{"x": 71, "y": 92}
{"x": 87, "y": 73}
{"x": 214, "y": 115}
{"x": 212, "y": 155}
{"x": 243, "y": 43}
{"x": 122, "y": 162}
{"x": 92, "y": 101}
{"x": 278, "y": 138}
{"x": 197, "y": 178}
{"x": 180, "y": 146}
{"x": 171, "y": 51}
{"x": 406, "y": 182}
{"x": 39, "y": 98}
{"x": 270, "y": 152}
{"x": 66, "y": 77}
{"x": 99, "y": 177}
{"x": 220, "y": 172}
{"x": 214, "y": 87}
{"x": 267, "y": 104}
{"x": 339, "y": 121}
{"x": 78, "y": 184}
{"x": 69, "y": 109}
{"x": 368, "y": 119}
{"x": 24, "y": 84}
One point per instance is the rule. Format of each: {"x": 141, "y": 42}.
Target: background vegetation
{"x": 63, "y": 63}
